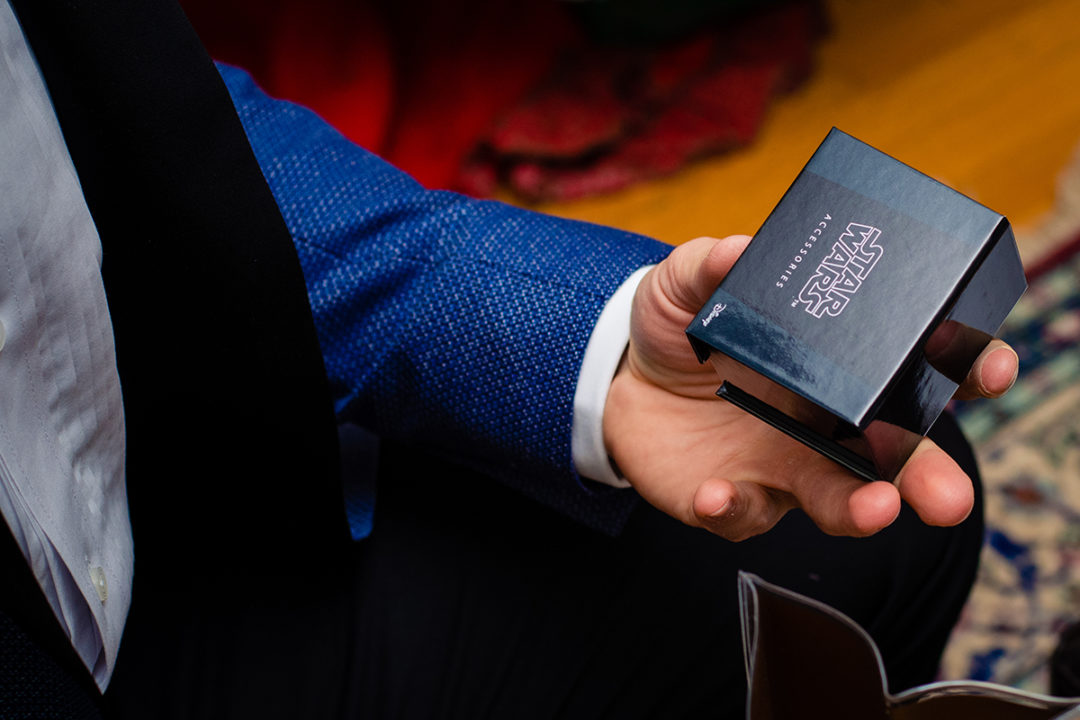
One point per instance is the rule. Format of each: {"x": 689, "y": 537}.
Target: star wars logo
{"x": 841, "y": 274}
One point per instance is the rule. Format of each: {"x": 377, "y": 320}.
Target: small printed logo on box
{"x": 842, "y": 272}
{"x": 716, "y": 310}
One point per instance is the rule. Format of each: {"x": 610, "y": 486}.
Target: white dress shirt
{"x": 62, "y": 490}
{"x": 61, "y": 417}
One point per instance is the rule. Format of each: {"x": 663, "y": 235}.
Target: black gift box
{"x": 858, "y": 306}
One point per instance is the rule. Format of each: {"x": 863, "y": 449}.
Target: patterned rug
{"x": 1028, "y": 445}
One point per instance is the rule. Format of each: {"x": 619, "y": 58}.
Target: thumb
{"x": 694, "y": 269}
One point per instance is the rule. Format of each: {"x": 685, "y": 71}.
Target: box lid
{"x": 840, "y": 286}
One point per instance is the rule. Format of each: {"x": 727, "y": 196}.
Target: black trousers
{"x": 469, "y": 601}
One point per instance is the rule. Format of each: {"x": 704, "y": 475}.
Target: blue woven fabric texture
{"x": 451, "y": 322}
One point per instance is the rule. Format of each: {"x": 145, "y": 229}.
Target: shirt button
{"x": 97, "y": 576}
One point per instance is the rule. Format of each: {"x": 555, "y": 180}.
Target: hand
{"x": 712, "y": 465}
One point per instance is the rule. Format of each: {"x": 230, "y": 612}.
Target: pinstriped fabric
{"x": 451, "y": 322}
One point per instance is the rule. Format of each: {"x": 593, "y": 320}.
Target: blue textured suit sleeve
{"x": 453, "y": 322}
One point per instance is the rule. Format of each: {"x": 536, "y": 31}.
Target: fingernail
{"x": 723, "y": 509}
{"x": 1004, "y": 355}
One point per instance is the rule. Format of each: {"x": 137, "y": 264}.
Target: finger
{"x": 935, "y": 486}
{"x": 738, "y": 510}
{"x": 719, "y": 260}
{"x": 841, "y": 504}
{"x": 992, "y": 374}
{"x": 695, "y": 269}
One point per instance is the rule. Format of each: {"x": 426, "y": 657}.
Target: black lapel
{"x": 232, "y": 457}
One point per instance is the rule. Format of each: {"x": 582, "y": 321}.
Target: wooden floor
{"x": 981, "y": 94}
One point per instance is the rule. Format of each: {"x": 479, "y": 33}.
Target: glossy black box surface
{"x": 828, "y": 310}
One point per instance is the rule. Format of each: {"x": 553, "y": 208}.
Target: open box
{"x": 859, "y": 305}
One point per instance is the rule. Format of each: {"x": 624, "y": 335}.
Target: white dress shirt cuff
{"x": 602, "y": 355}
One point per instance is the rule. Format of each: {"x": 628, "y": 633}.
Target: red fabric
{"x": 578, "y": 135}
{"x": 300, "y": 51}
{"x": 419, "y": 83}
{"x": 470, "y": 94}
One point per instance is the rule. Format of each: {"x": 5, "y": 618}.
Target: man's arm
{"x": 463, "y": 324}
{"x": 444, "y": 320}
